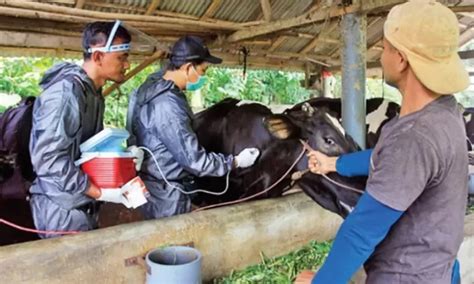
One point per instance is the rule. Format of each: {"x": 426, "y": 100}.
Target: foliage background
{"x": 19, "y": 77}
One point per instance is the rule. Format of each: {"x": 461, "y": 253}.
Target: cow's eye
{"x": 329, "y": 141}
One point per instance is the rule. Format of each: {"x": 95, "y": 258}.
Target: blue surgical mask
{"x": 194, "y": 86}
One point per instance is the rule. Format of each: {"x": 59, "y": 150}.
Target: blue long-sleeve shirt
{"x": 362, "y": 230}
{"x": 354, "y": 164}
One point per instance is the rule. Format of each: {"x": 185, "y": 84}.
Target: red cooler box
{"x": 108, "y": 169}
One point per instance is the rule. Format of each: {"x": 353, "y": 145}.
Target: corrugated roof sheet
{"x": 237, "y": 11}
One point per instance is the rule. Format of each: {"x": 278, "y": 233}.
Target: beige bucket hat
{"x": 428, "y": 34}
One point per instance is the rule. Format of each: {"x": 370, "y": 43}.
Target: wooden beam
{"x": 315, "y": 5}
{"x": 24, "y": 39}
{"x": 212, "y": 9}
{"x": 80, "y": 4}
{"x": 68, "y": 2}
{"x": 296, "y": 34}
{"x": 80, "y": 20}
{"x": 277, "y": 43}
{"x": 156, "y": 56}
{"x": 59, "y": 13}
{"x": 317, "y": 62}
{"x": 142, "y": 10}
{"x": 287, "y": 55}
{"x": 311, "y": 17}
{"x": 41, "y": 40}
{"x": 468, "y": 54}
{"x": 42, "y": 30}
{"x": 259, "y": 62}
{"x": 462, "y": 9}
{"x": 266, "y": 9}
{"x": 318, "y": 39}
{"x": 153, "y": 5}
{"x": 455, "y": 9}
{"x": 8, "y": 51}
{"x": 466, "y": 36}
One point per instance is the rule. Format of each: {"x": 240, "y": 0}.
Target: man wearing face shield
{"x": 68, "y": 112}
{"x": 161, "y": 121}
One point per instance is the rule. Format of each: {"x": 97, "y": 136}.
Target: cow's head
{"x": 324, "y": 133}
{"x": 319, "y": 129}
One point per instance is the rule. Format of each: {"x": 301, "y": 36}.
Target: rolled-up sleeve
{"x": 176, "y": 133}
{"x": 56, "y": 122}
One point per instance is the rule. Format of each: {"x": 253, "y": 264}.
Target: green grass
{"x": 281, "y": 269}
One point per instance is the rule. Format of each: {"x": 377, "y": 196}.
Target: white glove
{"x": 139, "y": 155}
{"x": 114, "y": 195}
{"x": 246, "y": 158}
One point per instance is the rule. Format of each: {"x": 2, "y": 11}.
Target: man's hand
{"x": 139, "y": 155}
{"x": 304, "y": 277}
{"x": 93, "y": 191}
{"x": 319, "y": 163}
{"x": 246, "y": 158}
{"x": 114, "y": 195}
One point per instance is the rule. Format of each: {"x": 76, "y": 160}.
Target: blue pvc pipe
{"x": 173, "y": 265}
{"x": 354, "y": 34}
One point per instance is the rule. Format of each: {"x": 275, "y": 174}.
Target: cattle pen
{"x": 309, "y": 36}
{"x": 229, "y": 238}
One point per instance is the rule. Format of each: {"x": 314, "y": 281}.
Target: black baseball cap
{"x": 189, "y": 48}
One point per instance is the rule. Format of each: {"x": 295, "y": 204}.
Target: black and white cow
{"x": 228, "y": 128}
{"x": 378, "y": 112}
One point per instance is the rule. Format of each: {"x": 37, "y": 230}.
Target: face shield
{"x": 141, "y": 43}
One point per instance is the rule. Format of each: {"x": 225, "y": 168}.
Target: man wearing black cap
{"x": 161, "y": 121}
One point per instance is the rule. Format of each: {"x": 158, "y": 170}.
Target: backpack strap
{"x": 75, "y": 78}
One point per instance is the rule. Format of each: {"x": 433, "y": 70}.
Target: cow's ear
{"x": 280, "y": 126}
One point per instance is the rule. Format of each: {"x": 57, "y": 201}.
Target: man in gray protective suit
{"x": 69, "y": 111}
{"x": 161, "y": 121}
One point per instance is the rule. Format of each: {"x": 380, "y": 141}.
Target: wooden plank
{"x": 212, "y": 9}
{"x": 80, "y": 4}
{"x": 152, "y": 8}
{"x": 259, "y": 61}
{"x": 66, "y": 12}
{"x": 468, "y": 54}
{"x": 23, "y": 39}
{"x": 8, "y": 51}
{"x": 279, "y": 41}
{"x": 466, "y": 36}
{"x": 318, "y": 39}
{"x": 311, "y": 17}
{"x": 462, "y": 9}
{"x": 66, "y": 18}
{"x": 68, "y": 2}
{"x": 266, "y": 10}
{"x": 42, "y": 30}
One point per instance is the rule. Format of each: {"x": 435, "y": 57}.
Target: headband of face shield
{"x": 108, "y": 46}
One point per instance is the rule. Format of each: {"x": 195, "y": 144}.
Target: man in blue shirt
{"x": 408, "y": 225}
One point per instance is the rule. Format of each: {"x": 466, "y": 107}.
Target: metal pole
{"x": 354, "y": 49}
